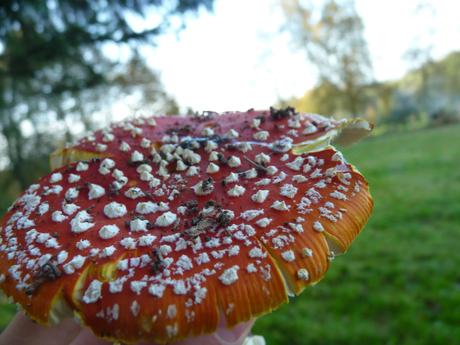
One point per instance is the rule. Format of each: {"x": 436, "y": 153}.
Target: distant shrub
{"x": 444, "y": 117}
{"x": 404, "y": 109}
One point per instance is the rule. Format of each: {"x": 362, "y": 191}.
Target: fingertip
{"x": 235, "y": 335}
{"x": 223, "y": 336}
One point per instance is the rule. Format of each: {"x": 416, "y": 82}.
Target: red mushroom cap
{"x": 174, "y": 222}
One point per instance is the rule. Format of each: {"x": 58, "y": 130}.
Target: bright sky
{"x": 235, "y": 58}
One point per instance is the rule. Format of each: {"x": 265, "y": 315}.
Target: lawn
{"x": 400, "y": 281}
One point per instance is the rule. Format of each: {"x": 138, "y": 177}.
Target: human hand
{"x": 23, "y": 331}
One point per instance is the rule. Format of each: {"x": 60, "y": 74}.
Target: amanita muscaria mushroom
{"x": 155, "y": 228}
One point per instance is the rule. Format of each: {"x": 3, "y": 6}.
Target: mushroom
{"x": 155, "y": 229}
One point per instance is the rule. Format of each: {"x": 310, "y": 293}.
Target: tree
{"x": 435, "y": 86}
{"x": 333, "y": 38}
{"x": 420, "y": 54}
{"x": 54, "y": 74}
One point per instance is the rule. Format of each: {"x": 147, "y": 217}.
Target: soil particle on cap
{"x": 47, "y": 272}
{"x": 279, "y": 114}
{"x": 157, "y": 261}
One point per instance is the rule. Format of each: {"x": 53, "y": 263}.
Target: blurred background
{"x": 68, "y": 66}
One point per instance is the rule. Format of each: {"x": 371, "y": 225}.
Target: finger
{"x": 223, "y": 336}
{"x": 86, "y": 337}
{"x": 23, "y": 331}
{"x": 235, "y": 335}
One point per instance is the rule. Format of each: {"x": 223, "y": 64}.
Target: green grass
{"x": 400, "y": 281}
